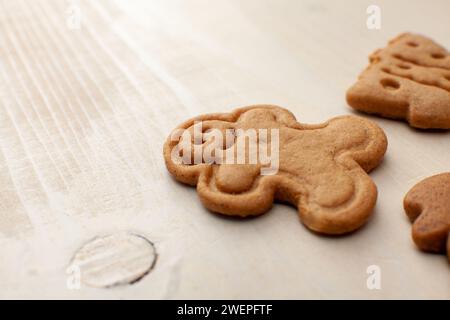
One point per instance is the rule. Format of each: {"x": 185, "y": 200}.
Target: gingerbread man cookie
{"x": 428, "y": 206}
{"x": 410, "y": 80}
{"x": 320, "y": 169}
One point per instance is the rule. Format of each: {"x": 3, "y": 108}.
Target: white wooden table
{"x": 85, "y": 106}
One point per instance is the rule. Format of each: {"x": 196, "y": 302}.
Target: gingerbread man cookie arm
{"x": 361, "y": 140}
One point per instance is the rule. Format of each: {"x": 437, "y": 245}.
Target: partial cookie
{"x": 410, "y": 80}
{"x": 321, "y": 168}
{"x": 428, "y": 206}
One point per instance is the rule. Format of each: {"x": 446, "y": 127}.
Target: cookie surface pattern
{"x": 427, "y": 204}
{"x": 322, "y": 169}
{"x": 410, "y": 80}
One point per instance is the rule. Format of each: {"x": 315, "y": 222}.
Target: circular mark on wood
{"x": 114, "y": 260}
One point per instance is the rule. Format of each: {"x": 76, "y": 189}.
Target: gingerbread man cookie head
{"x": 428, "y": 206}
{"x": 409, "y": 80}
{"x": 320, "y": 169}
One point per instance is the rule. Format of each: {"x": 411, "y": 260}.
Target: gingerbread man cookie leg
{"x": 346, "y": 195}
{"x": 321, "y": 169}
{"x": 427, "y": 204}
{"x": 409, "y": 80}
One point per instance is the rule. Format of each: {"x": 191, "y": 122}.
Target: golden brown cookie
{"x": 321, "y": 168}
{"x": 410, "y": 80}
{"x": 428, "y": 206}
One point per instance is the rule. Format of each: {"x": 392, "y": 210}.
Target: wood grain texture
{"x": 84, "y": 114}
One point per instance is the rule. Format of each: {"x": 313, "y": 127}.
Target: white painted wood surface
{"x": 84, "y": 113}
